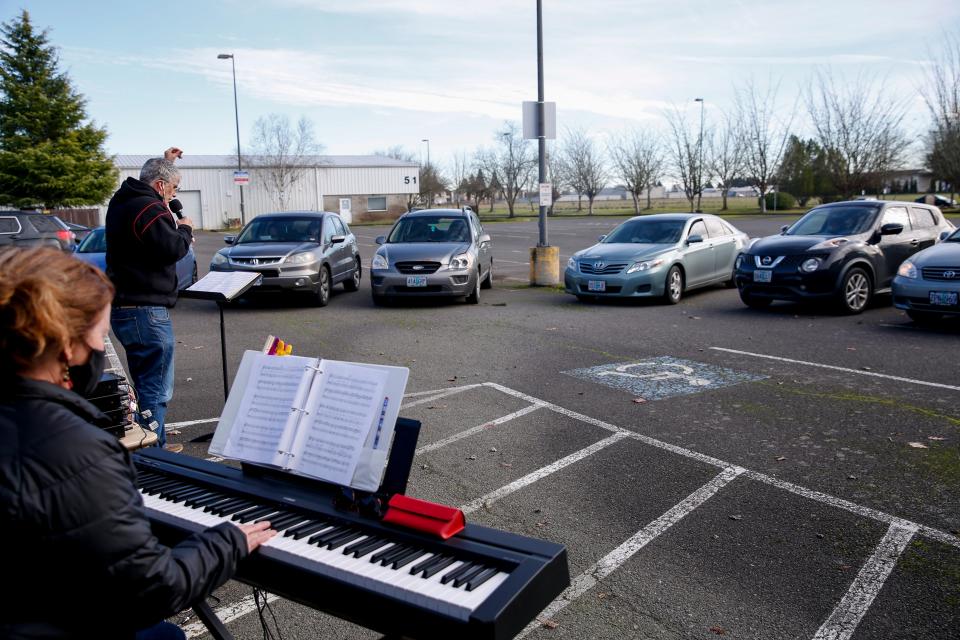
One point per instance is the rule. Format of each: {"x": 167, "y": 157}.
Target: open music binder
{"x": 323, "y": 419}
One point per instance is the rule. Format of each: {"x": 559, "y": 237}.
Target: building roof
{"x": 230, "y": 162}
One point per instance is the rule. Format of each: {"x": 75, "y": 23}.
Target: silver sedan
{"x": 927, "y": 285}
{"x": 433, "y": 252}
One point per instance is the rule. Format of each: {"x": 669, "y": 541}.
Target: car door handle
{"x": 915, "y": 242}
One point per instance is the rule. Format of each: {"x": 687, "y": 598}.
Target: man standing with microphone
{"x": 144, "y": 242}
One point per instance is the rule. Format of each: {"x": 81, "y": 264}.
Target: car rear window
{"x": 45, "y": 223}
{"x": 9, "y": 225}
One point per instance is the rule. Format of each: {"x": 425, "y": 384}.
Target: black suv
{"x": 34, "y": 229}
{"x": 844, "y": 252}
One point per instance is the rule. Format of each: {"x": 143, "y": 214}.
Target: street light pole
{"x": 541, "y": 132}
{"x": 700, "y": 154}
{"x": 236, "y": 116}
{"x": 427, "y": 140}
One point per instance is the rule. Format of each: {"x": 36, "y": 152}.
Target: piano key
{"x": 420, "y": 566}
{"x": 392, "y": 554}
{"x": 183, "y": 495}
{"x": 363, "y": 547}
{"x": 226, "y": 508}
{"x": 250, "y": 514}
{"x": 210, "y": 500}
{"x": 327, "y": 540}
{"x": 437, "y": 567}
{"x": 480, "y": 578}
{"x": 330, "y": 532}
{"x": 455, "y": 573}
{"x": 466, "y": 576}
{"x": 303, "y": 532}
{"x": 282, "y": 523}
{"x": 346, "y": 539}
{"x": 376, "y": 557}
{"x": 273, "y": 516}
{"x": 407, "y": 558}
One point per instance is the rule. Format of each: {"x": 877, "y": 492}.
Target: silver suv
{"x": 35, "y": 229}
{"x": 433, "y": 252}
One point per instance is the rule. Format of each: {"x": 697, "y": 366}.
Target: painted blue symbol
{"x": 663, "y": 377}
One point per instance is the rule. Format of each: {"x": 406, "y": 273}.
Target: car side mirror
{"x": 891, "y": 229}
{"x": 601, "y": 238}
{"x": 944, "y": 234}
{"x": 484, "y": 238}
{"x": 695, "y": 238}
{"x": 229, "y": 239}
{"x": 337, "y": 239}
{"x": 783, "y": 229}
{"x": 381, "y": 239}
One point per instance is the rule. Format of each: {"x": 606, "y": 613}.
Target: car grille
{"x": 949, "y": 274}
{"x": 417, "y": 267}
{"x": 257, "y": 261}
{"x": 590, "y": 268}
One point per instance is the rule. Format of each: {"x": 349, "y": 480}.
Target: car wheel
{"x": 353, "y": 282}
{"x": 923, "y": 317}
{"x": 474, "y": 297}
{"x": 673, "y": 287}
{"x": 323, "y": 287}
{"x": 488, "y": 281}
{"x": 855, "y": 291}
{"x": 754, "y": 302}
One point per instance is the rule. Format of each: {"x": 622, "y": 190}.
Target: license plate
{"x": 417, "y": 281}
{"x": 596, "y": 285}
{"x": 943, "y": 298}
{"x": 763, "y": 275}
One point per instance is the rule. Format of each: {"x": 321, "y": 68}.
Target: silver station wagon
{"x": 433, "y": 252}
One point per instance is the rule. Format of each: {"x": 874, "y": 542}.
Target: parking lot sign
{"x": 241, "y": 178}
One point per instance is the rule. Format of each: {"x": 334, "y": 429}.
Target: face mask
{"x": 85, "y": 377}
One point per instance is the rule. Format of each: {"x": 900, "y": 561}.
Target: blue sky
{"x": 373, "y": 74}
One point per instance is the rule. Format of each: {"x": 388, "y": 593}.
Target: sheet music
{"x": 342, "y": 410}
{"x": 265, "y": 414}
{"x": 226, "y": 283}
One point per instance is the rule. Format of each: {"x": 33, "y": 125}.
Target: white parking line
{"x": 477, "y": 429}
{"x": 613, "y": 560}
{"x": 227, "y": 613}
{"x": 540, "y": 473}
{"x": 844, "y": 620}
{"x": 448, "y": 392}
{"x": 844, "y": 369}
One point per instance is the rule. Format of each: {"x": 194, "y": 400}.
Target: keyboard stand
{"x": 210, "y": 620}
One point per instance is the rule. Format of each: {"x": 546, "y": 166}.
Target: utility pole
{"x": 236, "y": 116}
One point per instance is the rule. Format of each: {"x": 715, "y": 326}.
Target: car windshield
{"x": 96, "y": 242}
{"x": 835, "y": 221}
{"x": 647, "y": 232}
{"x": 953, "y": 237}
{"x": 281, "y": 230}
{"x": 430, "y": 229}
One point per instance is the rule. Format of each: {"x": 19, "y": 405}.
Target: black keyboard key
{"x": 407, "y": 558}
{"x": 363, "y": 547}
{"x": 318, "y": 526}
{"x": 273, "y": 516}
{"x": 229, "y": 507}
{"x": 378, "y": 556}
{"x": 180, "y": 497}
{"x": 304, "y": 525}
{"x": 439, "y": 566}
{"x": 467, "y": 576}
{"x": 346, "y": 538}
{"x": 324, "y": 537}
{"x": 213, "y": 498}
{"x": 396, "y": 552}
{"x": 453, "y": 574}
{"x": 425, "y": 564}
{"x": 283, "y": 523}
{"x": 250, "y": 514}
{"x": 480, "y": 578}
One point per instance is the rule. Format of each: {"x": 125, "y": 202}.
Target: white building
{"x": 357, "y": 187}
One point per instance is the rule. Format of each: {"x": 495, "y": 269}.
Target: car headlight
{"x": 810, "y": 265}
{"x": 646, "y": 265}
{"x": 459, "y": 262}
{"x": 219, "y": 258}
{"x": 907, "y": 270}
{"x": 572, "y": 264}
{"x": 301, "y": 258}
{"x": 379, "y": 262}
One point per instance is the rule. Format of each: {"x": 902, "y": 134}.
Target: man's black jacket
{"x": 80, "y": 560}
{"x": 143, "y": 246}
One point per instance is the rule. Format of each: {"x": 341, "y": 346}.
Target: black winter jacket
{"x": 79, "y": 558}
{"x": 144, "y": 243}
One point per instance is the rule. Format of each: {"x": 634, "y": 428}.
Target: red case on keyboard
{"x": 428, "y": 517}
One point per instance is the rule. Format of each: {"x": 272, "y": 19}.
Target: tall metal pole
{"x": 541, "y": 133}
{"x": 236, "y": 116}
{"x": 427, "y": 140}
{"x": 700, "y": 154}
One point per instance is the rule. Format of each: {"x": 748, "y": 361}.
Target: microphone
{"x": 176, "y": 206}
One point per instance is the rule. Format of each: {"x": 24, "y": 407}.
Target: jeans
{"x": 146, "y": 334}
{"x": 162, "y": 631}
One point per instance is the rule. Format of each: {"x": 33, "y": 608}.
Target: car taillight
{"x": 66, "y": 236}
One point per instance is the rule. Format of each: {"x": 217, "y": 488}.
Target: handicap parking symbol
{"x": 663, "y": 377}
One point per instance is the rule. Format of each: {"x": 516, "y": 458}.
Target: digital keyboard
{"x": 481, "y": 583}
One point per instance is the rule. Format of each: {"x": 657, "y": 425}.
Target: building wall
{"x": 317, "y": 188}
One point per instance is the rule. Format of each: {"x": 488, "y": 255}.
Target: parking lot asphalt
{"x": 713, "y": 470}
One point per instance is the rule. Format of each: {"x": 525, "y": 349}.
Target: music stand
{"x": 222, "y": 287}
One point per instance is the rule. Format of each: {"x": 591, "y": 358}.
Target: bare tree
{"x": 584, "y": 163}
{"x": 397, "y": 152}
{"x": 516, "y": 162}
{"x": 859, "y": 126}
{"x": 764, "y": 135}
{"x": 556, "y": 175}
{"x": 637, "y": 162}
{"x": 725, "y": 151}
{"x": 685, "y": 155}
{"x": 486, "y": 181}
{"x": 942, "y": 95}
{"x": 280, "y": 153}
{"x": 459, "y": 175}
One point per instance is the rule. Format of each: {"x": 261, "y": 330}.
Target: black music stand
{"x": 222, "y": 287}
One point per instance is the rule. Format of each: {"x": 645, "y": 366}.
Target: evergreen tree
{"x": 49, "y": 155}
